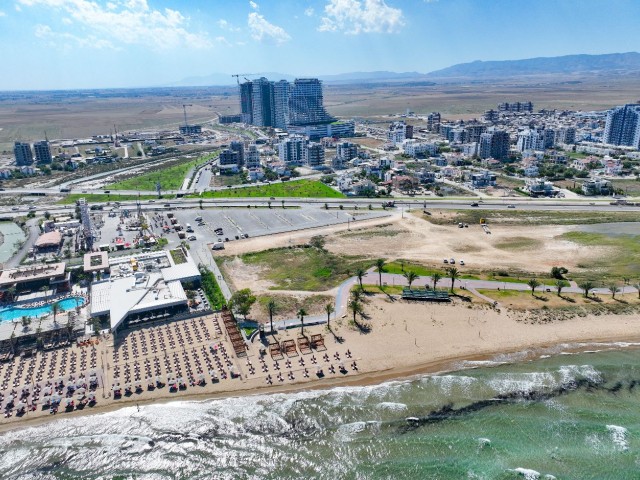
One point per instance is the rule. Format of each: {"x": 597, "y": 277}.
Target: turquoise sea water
{"x": 566, "y": 417}
{"x": 14, "y": 313}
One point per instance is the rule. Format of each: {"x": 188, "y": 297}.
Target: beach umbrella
{"x": 10, "y": 398}
{"x": 69, "y": 402}
{"x": 56, "y": 398}
{"x": 159, "y": 379}
{"x": 46, "y": 400}
{"x": 81, "y": 390}
{"x": 20, "y": 405}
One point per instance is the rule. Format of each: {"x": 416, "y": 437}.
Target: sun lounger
{"x": 317, "y": 342}
{"x": 289, "y": 347}
{"x": 303, "y": 345}
{"x": 275, "y": 351}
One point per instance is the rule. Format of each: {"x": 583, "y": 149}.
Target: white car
{"x": 461, "y": 262}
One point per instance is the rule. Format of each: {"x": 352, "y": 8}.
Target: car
{"x": 14, "y": 208}
{"x": 152, "y": 201}
{"x": 32, "y": 207}
{"x": 219, "y": 239}
{"x": 452, "y": 261}
{"x": 475, "y": 204}
{"x": 167, "y": 205}
{"x": 237, "y": 237}
{"x": 445, "y": 261}
{"x": 511, "y": 206}
{"x": 272, "y": 198}
{"x": 461, "y": 262}
{"x": 192, "y": 237}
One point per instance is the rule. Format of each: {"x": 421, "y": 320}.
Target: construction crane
{"x": 184, "y": 107}
{"x": 238, "y": 75}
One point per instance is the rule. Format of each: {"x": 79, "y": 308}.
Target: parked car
{"x": 192, "y": 237}
{"x": 511, "y": 206}
{"x": 452, "y": 261}
{"x": 475, "y": 204}
{"x": 445, "y": 261}
{"x": 461, "y": 262}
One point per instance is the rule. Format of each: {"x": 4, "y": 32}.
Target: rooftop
{"x": 31, "y": 273}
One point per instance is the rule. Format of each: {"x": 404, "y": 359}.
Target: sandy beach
{"x": 402, "y": 339}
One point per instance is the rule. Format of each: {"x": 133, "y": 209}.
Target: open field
{"x": 298, "y": 188}
{"x": 528, "y": 217}
{"x": 289, "y": 305}
{"x": 170, "y": 178}
{"x": 297, "y": 268}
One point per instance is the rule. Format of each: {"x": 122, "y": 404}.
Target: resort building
{"x": 144, "y": 288}
{"x": 33, "y": 277}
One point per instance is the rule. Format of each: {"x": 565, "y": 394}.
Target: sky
{"x": 69, "y": 44}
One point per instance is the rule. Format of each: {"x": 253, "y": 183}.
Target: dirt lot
{"x": 510, "y": 248}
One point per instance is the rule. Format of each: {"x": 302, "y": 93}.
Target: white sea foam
{"x": 619, "y": 437}
{"x": 570, "y": 373}
{"x": 522, "y": 382}
{"x": 448, "y": 383}
{"x": 393, "y": 406}
{"x": 527, "y": 473}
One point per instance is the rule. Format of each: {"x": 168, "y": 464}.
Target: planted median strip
{"x": 298, "y": 188}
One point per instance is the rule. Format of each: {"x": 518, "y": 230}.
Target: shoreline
{"x": 435, "y": 366}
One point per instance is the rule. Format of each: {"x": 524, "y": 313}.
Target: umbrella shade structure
{"x": 10, "y": 398}
{"x": 46, "y": 390}
{"x": 159, "y": 379}
{"x": 46, "y": 400}
{"x": 69, "y": 402}
{"x": 81, "y": 390}
{"x": 56, "y": 398}
{"x": 20, "y": 405}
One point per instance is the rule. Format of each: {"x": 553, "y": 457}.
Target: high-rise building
{"x": 281, "y": 104}
{"x": 42, "y": 151}
{"x": 494, "y": 145}
{"x": 23, "y": 154}
{"x": 433, "y": 122}
{"x": 262, "y": 103}
{"x": 565, "y": 135}
{"x": 246, "y": 102}
{"x": 306, "y": 104}
{"x": 623, "y": 126}
{"x": 314, "y": 154}
{"x": 292, "y": 150}
{"x": 473, "y": 132}
{"x": 238, "y": 147}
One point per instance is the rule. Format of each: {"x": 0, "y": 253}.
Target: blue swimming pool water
{"x": 14, "y": 313}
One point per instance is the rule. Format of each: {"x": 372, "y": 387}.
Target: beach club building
{"x": 32, "y": 278}
{"x": 144, "y": 288}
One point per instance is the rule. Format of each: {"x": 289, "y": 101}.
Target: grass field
{"x": 532, "y": 217}
{"x": 170, "y": 178}
{"x": 400, "y": 267}
{"x": 630, "y": 187}
{"x": 298, "y": 188}
{"x": 623, "y": 261}
{"x": 105, "y": 197}
{"x": 288, "y": 305}
{"x": 308, "y": 269}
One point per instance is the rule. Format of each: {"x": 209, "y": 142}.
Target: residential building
{"x": 565, "y": 135}
{"x": 483, "y": 179}
{"x": 252, "y": 157}
{"x": 623, "y": 126}
{"x": 262, "y": 103}
{"x": 190, "y": 129}
{"x": 346, "y": 151}
{"x": 399, "y": 132}
{"x": 238, "y": 147}
{"x": 494, "y": 144}
{"x": 516, "y": 107}
{"x": 306, "y": 103}
{"x": 531, "y": 171}
{"x": 226, "y": 119}
{"x": 313, "y": 154}
{"x": 540, "y": 188}
{"x": 281, "y": 104}
{"x": 291, "y": 150}
{"x": 228, "y": 160}
{"x": 23, "y": 154}
{"x": 315, "y": 132}
{"x": 415, "y": 148}
{"x": 473, "y": 132}
{"x": 42, "y": 151}
{"x": 597, "y": 186}
{"x": 433, "y": 121}
{"x": 530, "y": 140}
{"x": 246, "y": 102}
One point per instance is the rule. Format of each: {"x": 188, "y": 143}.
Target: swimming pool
{"x": 15, "y": 313}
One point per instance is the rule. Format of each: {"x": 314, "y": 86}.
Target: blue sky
{"x": 119, "y": 43}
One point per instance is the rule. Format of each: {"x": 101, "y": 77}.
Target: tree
{"x": 613, "y": 288}
{"x": 453, "y": 274}
{"x": 26, "y": 321}
{"x": 357, "y": 295}
{"x": 436, "y": 278}
{"x": 12, "y": 292}
{"x": 411, "y": 277}
{"x": 558, "y": 272}
{"x": 54, "y": 309}
{"x": 360, "y": 273}
{"x": 356, "y": 307}
{"x": 272, "y": 308}
{"x": 200, "y": 203}
{"x": 380, "y": 269}
{"x": 560, "y": 284}
{"x": 586, "y": 286}
{"x": 301, "y": 314}
{"x": 242, "y": 301}
{"x": 533, "y": 284}
{"x": 47, "y": 215}
{"x": 329, "y": 309}
{"x": 637, "y": 287}
{"x": 317, "y": 241}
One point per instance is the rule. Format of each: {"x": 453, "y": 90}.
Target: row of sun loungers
{"x": 239, "y": 346}
{"x": 288, "y": 347}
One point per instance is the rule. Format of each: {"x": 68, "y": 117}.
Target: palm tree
{"x": 586, "y": 286}
{"x": 613, "y": 288}
{"x": 356, "y": 295}
{"x": 637, "y": 287}
{"x": 271, "y": 308}
{"x": 436, "y": 278}
{"x": 533, "y": 283}
{"x": 12, "y": 292}
{"x": 360, "y": 273}
{"x": 380, "y": 268}
{"x": 44, "y": 290}
{"x": 560, "y": 284}
{"x": 453, "y": 273}
{"x": 356, "y": 307}
{"x": 411, "y": 277}
{"x": 301, "y": 313}
{"x": 54, "y": 309}
{"x": 329, "y": 309}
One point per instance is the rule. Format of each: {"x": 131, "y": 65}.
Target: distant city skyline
{"x": 66, "y": 44}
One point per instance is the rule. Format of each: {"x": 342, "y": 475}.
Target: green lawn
{"x": 301, "y": 268}
{"x": 105, "y": 197}
{"x": 297, "y": 188}
{"x": 422, "y": 271}
{"x": 170, "y": 178}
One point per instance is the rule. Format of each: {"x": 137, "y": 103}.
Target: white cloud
{"x": 129, "y": 22}
{"x": 2, "y": 14}
{"x": 224, "y": 25}
{"x": 66, "y": 40}
{"x": 264, "y": 31}
{"x": 254, "y": 5}
{"x": 358, "y": 16}
{"x": 309, "y": 12}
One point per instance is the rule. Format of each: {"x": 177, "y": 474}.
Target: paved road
{"x": 34, "y": 232}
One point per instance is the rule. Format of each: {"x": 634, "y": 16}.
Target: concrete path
{"x": 34, "y": 232}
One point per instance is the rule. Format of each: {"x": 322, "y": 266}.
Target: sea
{"x": 547, "y": 415}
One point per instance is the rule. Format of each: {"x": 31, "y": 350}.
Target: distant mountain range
{"x": 610, "y": 63}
